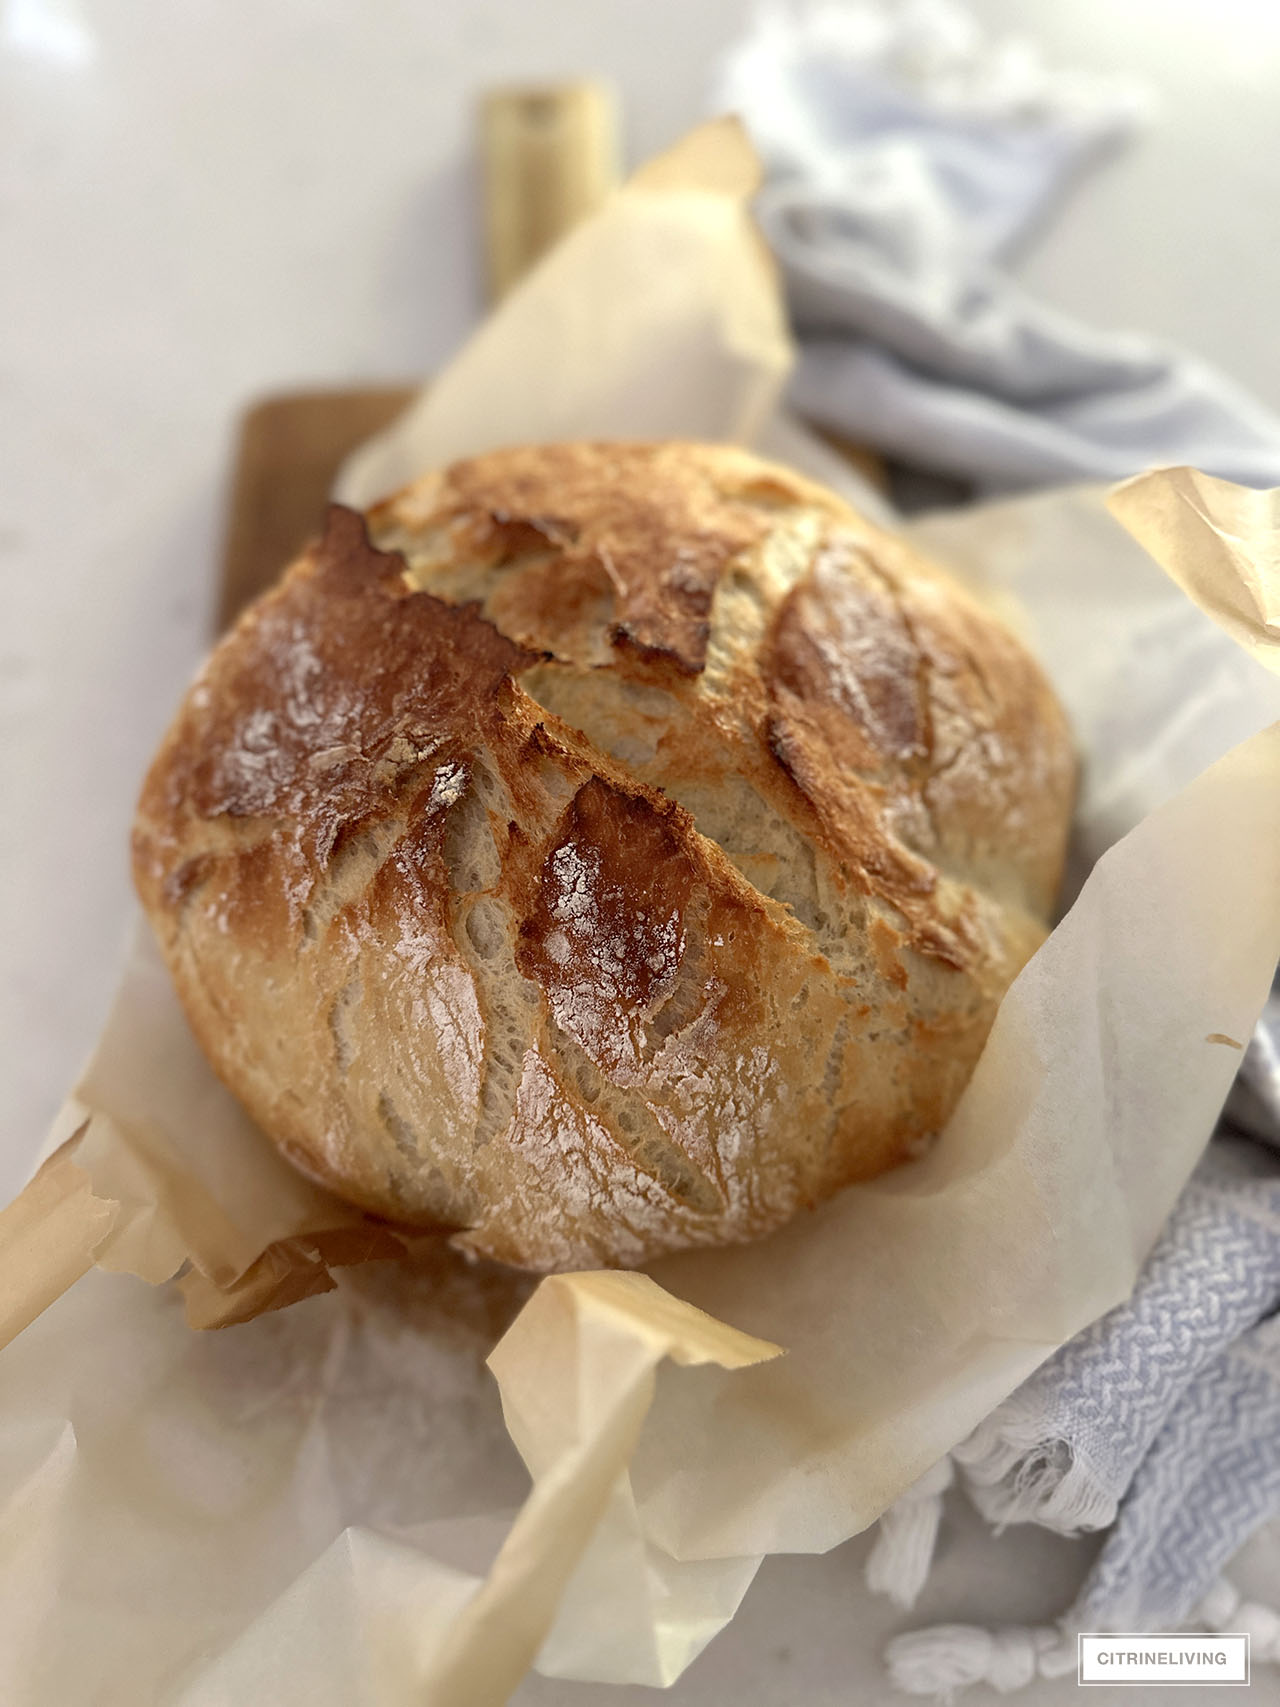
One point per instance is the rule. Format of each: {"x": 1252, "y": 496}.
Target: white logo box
{"x": 1189, "y": 1661}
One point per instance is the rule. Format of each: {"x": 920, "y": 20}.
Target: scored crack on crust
{"x": 605, "y": 850}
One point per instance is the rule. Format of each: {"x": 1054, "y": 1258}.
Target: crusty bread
{"x": 626, "y": 848}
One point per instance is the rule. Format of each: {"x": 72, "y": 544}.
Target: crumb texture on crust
{"x": 602, "y": 850}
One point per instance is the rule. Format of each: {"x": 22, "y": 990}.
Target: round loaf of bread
{"x": 601, "y": 850}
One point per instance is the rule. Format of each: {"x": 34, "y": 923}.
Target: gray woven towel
{"x": 1065, "y": 1448}
{"x": 1211, "y": 1477}
{"x": 1161, "y": 1420}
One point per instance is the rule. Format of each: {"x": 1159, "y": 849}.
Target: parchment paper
{"x": 692, "y": 341}
{"x": 321, "y": 1504}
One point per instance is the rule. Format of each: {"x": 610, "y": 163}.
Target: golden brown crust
{"x": 644, "y": 527}
{"x": 627, "y": 850}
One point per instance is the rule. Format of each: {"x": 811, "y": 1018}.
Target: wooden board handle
{"x": 549, "y": 157}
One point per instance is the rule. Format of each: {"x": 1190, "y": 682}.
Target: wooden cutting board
{"x": 288, "y": 451}
{"x": 548, "y": 158}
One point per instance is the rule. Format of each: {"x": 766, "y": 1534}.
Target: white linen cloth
{"x": 907, "y": 159}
